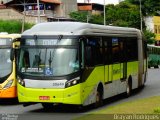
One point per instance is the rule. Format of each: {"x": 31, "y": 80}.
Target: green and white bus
{"x": 153, "y": 56}
{"x": 79, "y": 63}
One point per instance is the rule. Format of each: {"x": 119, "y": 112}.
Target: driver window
{"x": 26, "y": 61}
{"x": 36, "y": 61}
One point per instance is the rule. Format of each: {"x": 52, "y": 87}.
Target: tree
{"x": 79, "y": 16}
{"x": 123, "y": 14}
{"x": 149, "y": 36}
{"x": 84, "y": 16}
{"x": 96, "y": 19}
{"x": 149, "y": 7}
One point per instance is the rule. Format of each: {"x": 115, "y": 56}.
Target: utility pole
{"x": 104, "y": 9}
{"x": 38, "y": 12}
{"x": 24, "y": 15}
{"x": 140, "y": 10}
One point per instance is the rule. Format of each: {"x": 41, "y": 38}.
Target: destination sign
{"x": 41, "y": 42}
{"x": 5, "y": 41}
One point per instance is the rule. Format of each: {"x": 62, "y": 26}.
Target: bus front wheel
{"x": 99, "y": 99}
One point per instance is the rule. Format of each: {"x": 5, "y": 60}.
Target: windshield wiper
{"x": 39, "y": 60}
{"x": 50, "y": 60}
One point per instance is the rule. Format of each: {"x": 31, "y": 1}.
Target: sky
{"x": 100, "y": 1}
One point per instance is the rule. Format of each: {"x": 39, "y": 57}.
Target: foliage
{"x": 97, "y": 19}
{"x": 13, "y": 26}
{"x": 84, "y": 16}
{"x": 79, "y": 16}
{"x": 149, "y": 7}
{"x": 157, "y": 110}
{"x": 123, "y": 14}
{"x": 149, "y": 36}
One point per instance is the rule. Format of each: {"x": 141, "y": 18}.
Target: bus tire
{"x": 99, "y": 97}
{"x": 129, "y": 87}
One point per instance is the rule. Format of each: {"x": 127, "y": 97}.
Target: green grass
{"x": 142, "y": 106}
{"x": 13, "y": 26}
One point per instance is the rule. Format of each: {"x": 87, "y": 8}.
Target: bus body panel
{"x": 9, "y": 93}
{"x": 69, "y": 95}
{"x": 112, "y": 87}
{"x": 89, "y": 86}
{"x": 11, "y": 90}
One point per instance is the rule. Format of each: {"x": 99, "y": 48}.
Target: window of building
{"x": 155, "y": 29}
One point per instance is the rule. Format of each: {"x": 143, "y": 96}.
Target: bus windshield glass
{"x": 49, "y": 57}
{"x": 5, "y": 62}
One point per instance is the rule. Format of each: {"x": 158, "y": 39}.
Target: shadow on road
{"x": 9, "y": 101}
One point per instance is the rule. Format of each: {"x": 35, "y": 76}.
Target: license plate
{"x": 44, "y": 98}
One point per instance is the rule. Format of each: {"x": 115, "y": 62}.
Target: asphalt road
{"x": 36, "y": 112}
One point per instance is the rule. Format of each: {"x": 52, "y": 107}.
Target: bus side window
{"x": 107, "y": 50}
{"x": 132, "y": 49}
{"x": 93, "y": 51}
{"x": 88, "y": 56}
{"x": 115, "y": 50}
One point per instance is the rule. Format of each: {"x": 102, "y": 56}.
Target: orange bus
{"x": 8, "y": 44}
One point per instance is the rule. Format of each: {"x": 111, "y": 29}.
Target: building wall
{"x": 68, "y": 6}
{"x": 156, "y": 21}
{"x": 149, "y": 23}
{"x": 153, "y": 24}
{"x": 11, "y": 14}
{"x": 61, "y": 10}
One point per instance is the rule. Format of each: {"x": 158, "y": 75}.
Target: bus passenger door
{"x": 123, "y": 65}
{"x": 123, "y": 60}
{"x": 116, "y": 63}
{"x": 119, "y": 65}
{"x": 109, "y": 86}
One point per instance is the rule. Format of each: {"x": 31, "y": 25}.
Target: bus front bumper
{"x": 70, "y": 95}
{"x": 8, "y": 93}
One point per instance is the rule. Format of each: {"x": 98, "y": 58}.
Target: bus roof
{"x": 78, "y": 28}
{"x": 12, "y": 36}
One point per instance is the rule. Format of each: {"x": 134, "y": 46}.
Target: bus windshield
{"x": 46, "y": 57}
{"x": 5, "y": 62}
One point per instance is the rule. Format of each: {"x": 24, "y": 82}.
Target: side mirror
{"x": 12, "y": 54}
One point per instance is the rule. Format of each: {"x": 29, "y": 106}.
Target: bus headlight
{"x": 72, "y": 82}
{"x": 21, "y": 81}
{"x": 9, "y": 83}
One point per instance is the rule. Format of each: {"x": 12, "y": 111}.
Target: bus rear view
{"x": 8, "y": 42}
